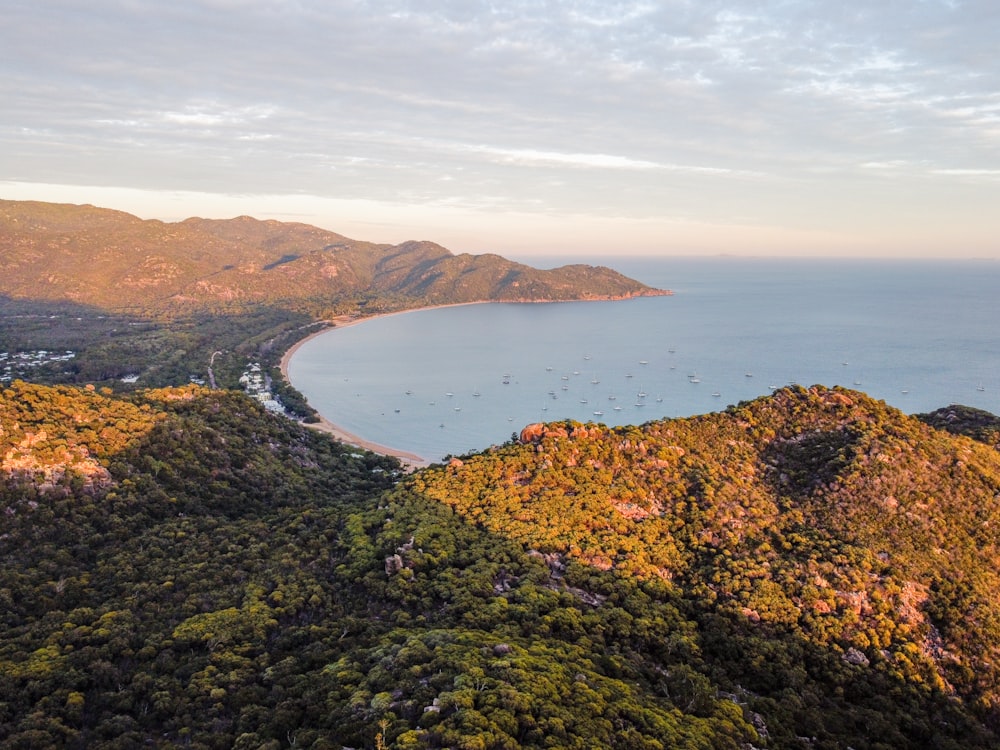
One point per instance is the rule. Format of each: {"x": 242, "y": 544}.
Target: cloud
{"x": 991, "y": 173}
{"x": 626, "y": 109}
{"x": 588, "y": 161}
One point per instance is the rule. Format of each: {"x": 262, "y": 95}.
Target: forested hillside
{"x": 839, "y": 558}
{"x": 161, "y": 304}
{"x": 809, "y": 570}
{"x": 122, "y": 264}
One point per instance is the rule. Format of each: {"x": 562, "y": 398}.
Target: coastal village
{"x": 257, "y": 385}
{"x": 15, "y": 365}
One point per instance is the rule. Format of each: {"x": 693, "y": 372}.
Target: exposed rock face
{"x": 23, "y": 461}
{"x": 832, "y": 397}
{"x": 538, "y": 431}
{"x": 532, "y": 433}
{"x": 393, "y": 564}
{"x": 854, "y": 656}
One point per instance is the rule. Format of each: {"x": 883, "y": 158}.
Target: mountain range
{"x": 119, "y": 263}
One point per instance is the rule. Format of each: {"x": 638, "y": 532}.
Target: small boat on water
{"x": 980, "y": 387}
{"x": 598, "y": 413}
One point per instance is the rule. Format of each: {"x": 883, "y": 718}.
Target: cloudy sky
{"x": 521, "y": 126}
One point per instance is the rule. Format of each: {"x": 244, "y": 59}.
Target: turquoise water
{"x": 447, "y": 381}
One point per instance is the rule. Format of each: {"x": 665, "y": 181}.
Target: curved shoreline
{"x": 411, "y": 460}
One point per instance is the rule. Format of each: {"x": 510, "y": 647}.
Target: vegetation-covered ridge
{"x": 120, "y": 263}
{"x": 838, "y": 556}
{"x": 230, "y": 582}
{"x": 178, "y": 568}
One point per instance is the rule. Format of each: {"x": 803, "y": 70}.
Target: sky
{"x": 522, "y": 127}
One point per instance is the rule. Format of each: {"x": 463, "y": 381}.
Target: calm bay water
{"x": 919, "y": 335}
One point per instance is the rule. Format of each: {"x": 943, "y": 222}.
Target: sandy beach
{"x": 410, "y": 460}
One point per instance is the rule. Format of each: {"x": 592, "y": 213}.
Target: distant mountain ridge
{"x": 116, "y": 261}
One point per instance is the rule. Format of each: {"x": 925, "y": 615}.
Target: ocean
{"x": 917, "y": 334}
